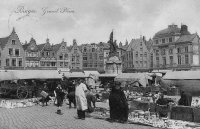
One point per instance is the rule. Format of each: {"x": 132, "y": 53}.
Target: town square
{"x": 95, "y": 64}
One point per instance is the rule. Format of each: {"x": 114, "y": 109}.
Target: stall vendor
{"x": 186, "y": 99}
{"x": 162, "y": 105}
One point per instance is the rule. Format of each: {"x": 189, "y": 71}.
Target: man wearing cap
{"x": 118, "y": 104}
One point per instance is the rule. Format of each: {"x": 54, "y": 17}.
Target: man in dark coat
{"x": 71, "y": 94}
{"x": 59, "y": 96}
{"x": 118, "y": 104}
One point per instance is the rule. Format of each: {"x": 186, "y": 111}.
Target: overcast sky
{"x": 92, "y": 20}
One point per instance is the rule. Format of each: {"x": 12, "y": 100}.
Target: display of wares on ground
{"x": 20, "y": 103}
{"x": 100, "y": 113}
{"x": 152, "y": 119}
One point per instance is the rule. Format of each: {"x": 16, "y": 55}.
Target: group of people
{"x": 79, "y": 95}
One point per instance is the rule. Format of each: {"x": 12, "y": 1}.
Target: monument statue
{"x": 113, "y": 46}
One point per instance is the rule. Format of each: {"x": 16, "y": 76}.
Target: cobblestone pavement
{"x": 38, "y": 117}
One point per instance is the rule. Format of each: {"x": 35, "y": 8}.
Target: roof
{"x": 3, "y": 41}
{"x": 171, "y": 30}
{"x": 56, "y": 47}
{"x": 186, "y": 38}
{"x": 133, "y": 44}
{"x": 25, "y": 46}
{"x": 182, "y": 75}
{"x": 40, "y": 46}
{"x": 149, "y": 44}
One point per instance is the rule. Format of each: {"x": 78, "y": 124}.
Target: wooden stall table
{"x": 184, "y": 113}
{"x": 142, "y": 105}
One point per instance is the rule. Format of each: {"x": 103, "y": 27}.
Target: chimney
{"x": 184, "y": 30}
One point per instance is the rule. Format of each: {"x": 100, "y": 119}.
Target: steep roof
{"x": 3, "y": 41}
{"x": 40, "y": 46}
{"x": 25, "y": 46}
{"x": 186, "y": 38}
{"x": 56, "y": 47}
{"x": 133, "y": 44}
{"x": 149, "y": 44}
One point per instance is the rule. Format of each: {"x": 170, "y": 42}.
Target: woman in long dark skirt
{"x": 118, "y": 104}
{"x": 59, "y": 96}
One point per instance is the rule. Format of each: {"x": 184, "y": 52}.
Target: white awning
{"x": 88, "y": 73}
{"x": 9, "y": 75}
{"x": 182, "y": 75}
{"x": 37, "y": 74}
{"x": 108, "y": 75}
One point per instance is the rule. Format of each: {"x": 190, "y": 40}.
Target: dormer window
{"x": 13, "y": 42}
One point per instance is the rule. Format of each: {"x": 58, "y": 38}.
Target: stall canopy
{"x": 7, "y": 75}
{"x": 37, "y": 74}
{"x": 182, "y": 75}
{"x": 74, "y": 75}
{"x": 108, "y": 75}
{"x": 142, "y": 78}
{"x": 94, "y": 73}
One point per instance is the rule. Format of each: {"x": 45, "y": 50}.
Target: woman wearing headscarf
{"x": 118, "y": 104}
{"x": 186, "y": 99}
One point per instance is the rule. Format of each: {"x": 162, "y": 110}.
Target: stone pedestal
{"x": 113, "y": 65}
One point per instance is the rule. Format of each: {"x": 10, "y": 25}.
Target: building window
{"x": 136, "y": 54}
{"x": 141, "y": 44}
{"x": 170, "y": 39}
{"x": 100, "y": 57}
{"x": 61, "y": 64}
{"x": 84, "y": 58}
{"x": 171, "y": 60}
{"x": 16, "y": 52}
{"x": 157, "y": 52}
{"x": 164, "y": 60}
{"x": 141, "y": 55}
{"x": 145, "y": 54}
{"x": 141, "y": 63}
{"x": 20, "y": 62}
{"x": 85, "y": 49}
{"x": 42, "y": 54}
{"x": 13, "y": 62}
{"x": 157, "y": 61}
{"x": 186, "y": 59}
{"x": 7, "y": 62}
{"x": 157, "y": 42}
{"x": 163, "y": 40}
{"x": 163, "y": 52}
{"x": 66, "y": 56}
{"x": 141, "y": 49}
{"x": 13, "y": 42}
{"x": 47, "y": 53}
{"x": 170, "y": 51}
{"x": 186, "y": 49}
{"x": 179, "y": 59}
{"x": 10, "y": 51}
{"x": 93, "y": 49}
{"x": 178, "y": 50}
{"x": 60, "y": 57}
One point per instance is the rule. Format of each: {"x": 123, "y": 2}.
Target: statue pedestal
{"x": 113, "y": 65}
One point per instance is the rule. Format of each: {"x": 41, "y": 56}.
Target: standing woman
{"x": 118, "y": 104}
{"x": 59, "y": 94}
{"x": 81, "y": 101}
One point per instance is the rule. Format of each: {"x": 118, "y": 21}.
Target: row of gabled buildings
{"x": 33, "y": 55}
{"x": 172, "y": 48}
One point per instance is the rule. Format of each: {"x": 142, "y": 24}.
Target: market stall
{"x": 184, "y": 80}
